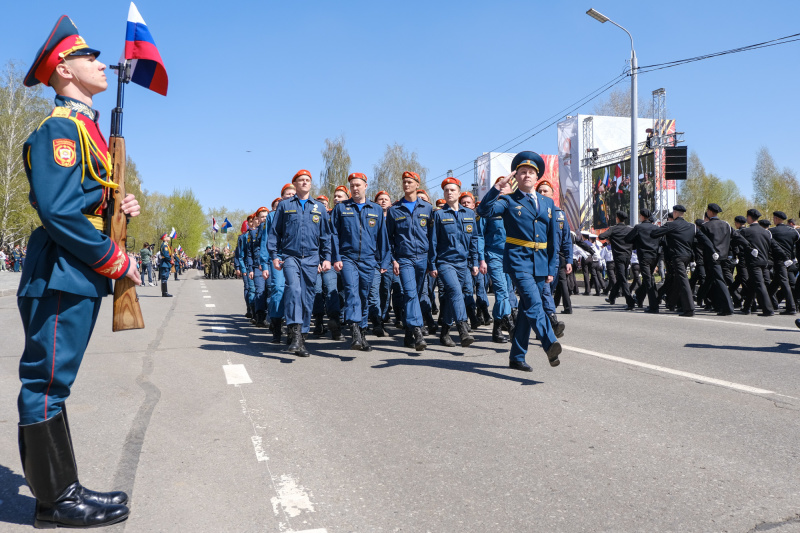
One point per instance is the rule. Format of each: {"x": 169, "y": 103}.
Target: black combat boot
{"x": 430, "y": 324}
{"x": 276, "y": 330}
{"x": 336, "y": 327}
{"x": 301, "y": 351}
{"x": 484, "y": 311}
{"x": 164, "y": 292}
{"x": 513, "y": 320}
{"x": 497, "y": 333}
{"x": 474, "y": 323}
{"x": 419, "y": 340}
{"x": 49, "y": 465}
{"x": 558, "y": 327}
{"x": 444, "y": 337}
{"x": 377, "y": 328}
{"x": 365, "y": 347}
{"x": 357, "y": 343}
{"x": 319, "y": 328}
{"x": 261, "y": 317}
{"x": 248, "y": 314}
{"x": 408, "y": 341}
{"x": 463, "y": 332}
{"x": 295, "y": 338}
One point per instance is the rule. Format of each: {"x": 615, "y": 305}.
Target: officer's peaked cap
{"x": 63, "y": 41}
{"x": 531, "y": 159}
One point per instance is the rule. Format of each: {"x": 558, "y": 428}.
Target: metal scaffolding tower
{"x": 657, "y": 142}
{"x": 587, "y": 163}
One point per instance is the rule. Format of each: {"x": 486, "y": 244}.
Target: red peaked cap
{"x": 301, "y": 173}
{"x": 62, "y": 42}
{"x": 356, "y": 175}
{"x": 454, "y": 181}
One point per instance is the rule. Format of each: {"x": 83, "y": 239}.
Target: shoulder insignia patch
{"x": 64, "y": 152}
{"x": 61, "y": 112}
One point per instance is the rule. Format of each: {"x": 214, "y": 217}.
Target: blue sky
{"x": 448, "y": 80}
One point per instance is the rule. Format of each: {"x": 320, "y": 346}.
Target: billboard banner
{"x": 569, "y": 170}
{"x": 492, "y": 165}
{"x": 611, "y": 190}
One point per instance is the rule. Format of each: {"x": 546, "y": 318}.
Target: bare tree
{"x": 21, "y": 110}
{"x": 618, "y": 104}
{"x": 389, "y": 170}
{"x": 337, "y": 167}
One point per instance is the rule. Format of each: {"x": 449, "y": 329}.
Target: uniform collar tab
{"x": 76, "y": 105}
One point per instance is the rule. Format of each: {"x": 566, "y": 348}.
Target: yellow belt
{"x": 97, "y": 221}
{"x": 527, "y": 244}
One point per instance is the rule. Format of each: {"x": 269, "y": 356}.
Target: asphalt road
{"x": 651, "y": 423}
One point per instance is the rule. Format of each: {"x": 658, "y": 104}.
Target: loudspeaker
{"x": 675, "y": 162}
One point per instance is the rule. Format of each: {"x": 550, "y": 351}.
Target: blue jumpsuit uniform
{"x": 257, "y": 266}
{"x": 530, "y": 256}
{"x": 563, "y": 246}
{"x": 300, "y": 233}
{"x": 359, "y": 241}
{"x": 453, "y": 252}
{"x": 276, "y": 280}
{"x": 494, "y": 238}
{"x": 409, "y": 233}
{"x": 70, "y": 261}
{"x": 326, "y": 290}
{"x": 239, "y": 263}
{"x": 479, "y": 281}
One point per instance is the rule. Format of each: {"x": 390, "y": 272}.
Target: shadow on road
{"x": 15, "y": 508}
{"x": 781, "y": 347}
{"x": 461, "y": 366}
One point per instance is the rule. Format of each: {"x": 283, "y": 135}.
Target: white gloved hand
{"x": 715, "y": 256}
{"x": 754, "y": 252}
{"x": 787, "y": 263}
{"x": 692, "y": 265}
{"x": 736, "y": 261}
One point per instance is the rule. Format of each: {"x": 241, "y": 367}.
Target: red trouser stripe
{"x": 53, "y": 368}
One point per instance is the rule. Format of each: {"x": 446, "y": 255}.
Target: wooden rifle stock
{"x": 127, "y": 312}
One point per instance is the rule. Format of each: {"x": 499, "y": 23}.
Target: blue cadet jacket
{"x": 564, "y": 239}
{"x": 455, "y": 237}
{"x": 481, "y": 227}
{"x": 238, "y": 252}
{"x": 409, "y": 232}
{"x": 299, "y": 232}
{"x": 260, "y": 257}
{"x": 494, "y": 234}
{"x": 68, "y": 167}
{"x": 250, "y": 249}
{"x": 530, "y": 232}
{"x": 359, "y": 235}
{"x": 263, "y": 251}
{"x": 166, "y": 256}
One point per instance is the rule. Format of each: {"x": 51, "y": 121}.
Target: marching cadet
{"x": 389, "y": 291}
{"x": 757, "y": 241}
{"x": 530, "y": 255}
{"x": 716, "y": 236}
{"x": 641, "y": 237}
{"x": 300, "y": 233}
{"x": 786, "y": 240}
{"x": 680, "y": 240}
{"x": 563, "y": 246}
{"x": 479, "y": 313}
{"x": 326, "y": 288}
{"x": 739, "y": 252}
{"x": 340, "y": 194}
{"x": 359, "y": 248}
{"x": 258, "y": 268}
{"x": 622, "y": 259}
{"x": 409, "y": 229}
{"x": 453, "y": 254}
{"x": 69, "y": 267}
{"x": 166, "y": 263}
{"x": 238, "y": 260}
{"x": 276, "y": 280}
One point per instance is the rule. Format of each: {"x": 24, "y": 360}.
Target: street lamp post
{"x": 634, "y": 210}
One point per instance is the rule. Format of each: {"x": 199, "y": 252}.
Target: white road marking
{"x": 320, "y": 530}
{"x": 236, "y": 374}
{"x": 697, "y": 377}
{"x": 733, "y": 323}
{"x": 292, "y": 498}
{"x": 210, "y": 305}
{"x": 219, "y": 329}
{"x": 204, "y": 291}
{"x": 261, "y": 455}
{"x": 206, "y": 296}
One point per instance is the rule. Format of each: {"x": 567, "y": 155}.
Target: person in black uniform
{"x": 716, "y": 236}
{"x": 699, "y": 281}
{"x": 739, "y": 286}
{"x": 641, "y": 236}
{"x": 622, "y": 258}
{"x": 680, "y": 237}
{"x": 786, "y": 240}
{"x": 756, "y": 243}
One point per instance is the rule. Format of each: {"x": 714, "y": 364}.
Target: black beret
{"x": 755, "y": 214}
{"x": 670, "y": 216}
{"x": 679, "y": 207}
{"x": 780, "y": 214}
{"x": 715, "y": 208}
{"x": 699, "y": 222}
{"x": 531, "y": 159}
{"x": 645, "y": 213}
{"x": 740, "y": 219}
{"x": 764, "y": 222}
{"x": 622, "y": 215}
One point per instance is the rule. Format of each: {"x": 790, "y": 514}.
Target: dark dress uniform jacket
{"x": 65, "y": 160}
{"x": 680, "y": 236}
{"x": 717, "y": 235}
{"x": 619, "y": 246}
{"x": 754, "y": 237}
{"x": 787, "y": 242}
{"x": 641, "y": 236}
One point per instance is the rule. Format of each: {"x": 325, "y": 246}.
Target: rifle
{"x": 127, "y": 311}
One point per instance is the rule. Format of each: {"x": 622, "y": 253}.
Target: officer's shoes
{"x": 686, "y": 313}
{"x": 444, "y": 337}
{"x": 73, "y": 509}
{"x": 357, "y": 342}
{"x": 788, "y": 312}
{"x": 520, "y": 365}
{"x": 552, "y": 354}
{"x": 765, "y": 313}
{"x": 463, "y": 333}
{"x": 419, "y": 340}
{"x": 295, "y": 339}
{"x": 653, "y": 310}
{"x": 610, "y": 300}
{"x": 248, "y": 314}
{"x": 797, "y": 322}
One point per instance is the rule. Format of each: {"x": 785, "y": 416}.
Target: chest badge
{"x": 468, "y": 228}
{"x": 64, "y": 152}
{"x": 372, "y": 223}
{"x": 423, "y": 222}
{"x": 549, "y": 213}
{"x": 315, "y": 219}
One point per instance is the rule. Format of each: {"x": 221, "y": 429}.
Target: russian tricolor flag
{"x": 147, "y": 69}
{"x": 173, "y": 234}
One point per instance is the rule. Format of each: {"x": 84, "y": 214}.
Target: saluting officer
{"x": 622, "y": 258}
{"x": 300, "y": 234}
{"x": 69, "y": 267}
{"x": 166, "y": 263}
{"x": 646, "y": 245}
{"x": 408, "y": 227}
{"x": 453, "y": 255}
{"x": 530, "y": 255}
{"x": 679, "y": 236}
{"x": 359, "y": 248}
{"x": 786, "y": 240}
{"x": 757, "y": 242}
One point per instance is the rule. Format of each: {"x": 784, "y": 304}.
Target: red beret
{"x": 244, "y": 226}
{"x": 422, "y": 191}
{"x": 413, "y": 175}
{"x": 276, "y": 200}
{"x": 260, "y": 209}
{"x": 287, "y": 186}
{"x": 440, "y": 201}
{"x": 323, "y": 197}
{"x": 466, "y": 193}
{"x": 356, "y": 175}
{"x": 543, "y": 182}
{"x": 343, "y": 189}
{"x": 448, "y": 181}
{"x": 301, "y": 173}
{"x": 382, "y": 193}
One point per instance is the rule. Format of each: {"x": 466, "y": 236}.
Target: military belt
{"x": 527, "y": 244}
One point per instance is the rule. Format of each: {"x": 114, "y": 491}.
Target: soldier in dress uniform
{"x": 757, "y": 243}
{"x": 167, "y": 260}
{"x": 622, "y": 258}
{"x": 716, "y": 237}
{"x": 69, "y": 268}
{"x": 300, "y": 233}
{"x": 641, "y": 237}
{"x": 679, "y": 236}
{"x": 530, "y": 255}
{"x": 786, "y": 241}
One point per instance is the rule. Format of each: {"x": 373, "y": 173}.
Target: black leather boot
{"x": 408, "y": 341}
{"x": 248, "y": 314}
{"x": 377, "y": 328}
{"x": 261, "y": 319}
{"x": 365, "y": 347}
{"x": 301, "y": 350}
{"x": 463, "y": 332}
{"x": 336, "y": 327}
{"x": 49, "y": 466}
{"x": 419, "y": 340}
{"x": 295, "y": 338}
{"x": 444, "y": 337}
{"x": 319, "y": 328}
{"x": 558, "y": 327}
{"x": 276, "y": 330}
{"x": 474, "y": 323}
{"x": 430, "y": 324}
{"x": 484, "y": 311}
{"x": 164, "y": 292}
{"x": 497, "y": 333}
{"x": 513, "y": 320}
{"x": 357, "y": 342}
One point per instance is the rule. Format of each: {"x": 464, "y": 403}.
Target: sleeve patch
{"x": 64, "y": 152}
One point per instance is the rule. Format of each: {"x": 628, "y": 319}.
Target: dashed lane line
{"x": 210, "y": 305}
{"x": 732, "y": 322}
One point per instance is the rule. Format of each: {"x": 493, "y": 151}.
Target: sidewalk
{"x": 9, "y": 281}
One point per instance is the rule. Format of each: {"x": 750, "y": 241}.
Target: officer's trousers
{"x": 390, "y": 291}
{"x": 457, "y": 281}
{"x": 501, "y": 284}
{"x": 412, "y": 278}
{"x": 648, "y": 284}
{"x": 249, "y": 291}
{"x": 612, "y": 276}
{"x": 722, "y": 298}
{"x": 326, "y": 294}
{"x": 621, "y": 284}
{"x": 780, "y": 280}
{"x": 531, "y": 315}
{"x": 57, "y": 330}
{"x": 560, "y": 289}
{"x": 163, "y": 273}
{"x": 260, "y": 291}
{"x": 301, "y": 276}
{"x": 756, "y": 288}
{"x": 680, "y": 283}
{"x": 357, "y": 277}
{"x": 586, "y": 268}
{"x": 597, "y": 277}
{"x": 277, "y": 282}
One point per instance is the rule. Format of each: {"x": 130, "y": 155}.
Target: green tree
{"x": 773, "y": 189}
{"x": 185, "y": 213}
{"x": 336, "y": 161}
{"x": 702, "y": 188}
{"x": 235, "y": 217}
{"x": 21, "y": 110}
{"x": 389, "y": 170}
